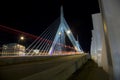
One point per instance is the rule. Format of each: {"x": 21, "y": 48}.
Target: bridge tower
{"x": 64, "y": 28}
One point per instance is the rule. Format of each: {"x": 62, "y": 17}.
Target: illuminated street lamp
{"x": 22, "y": 38}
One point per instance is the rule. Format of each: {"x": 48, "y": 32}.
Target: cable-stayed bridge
{"x": 53, "y": 40}
{"x": 49, "y": 54}
{"x": 104, "y": 50}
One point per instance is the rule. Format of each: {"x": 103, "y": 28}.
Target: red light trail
{"x": 17, "y": 32}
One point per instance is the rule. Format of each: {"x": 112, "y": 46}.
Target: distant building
{"x": 12, "y": 49}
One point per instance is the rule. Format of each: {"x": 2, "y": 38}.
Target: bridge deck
{"x": 90, "y": 71}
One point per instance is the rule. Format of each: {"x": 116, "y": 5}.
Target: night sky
{"x": 35, "y": 16}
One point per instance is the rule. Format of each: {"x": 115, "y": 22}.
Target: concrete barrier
{"x": 6, "y": 60}
{"x": 60, "y": 72}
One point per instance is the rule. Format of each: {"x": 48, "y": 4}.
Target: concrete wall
{"x": 93, "y": 47}
{"x": 111, "y": 15}
{"x": 98, "y": 51}
{"x": 97, "y": 36}
{"x": 12, "y": 60}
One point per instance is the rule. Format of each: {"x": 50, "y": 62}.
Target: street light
{"x": 22, "y": 38}
{"x": 68, "y": 32}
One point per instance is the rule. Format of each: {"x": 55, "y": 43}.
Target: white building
{"x": 13, "y": 49}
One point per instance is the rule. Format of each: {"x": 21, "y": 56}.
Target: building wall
{"x": 13, "y": 49}
{"x": 98, "y": 46}
{"x": 111, "y": 14}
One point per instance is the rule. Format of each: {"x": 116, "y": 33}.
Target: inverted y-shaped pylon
{"x": 64, "y": 28}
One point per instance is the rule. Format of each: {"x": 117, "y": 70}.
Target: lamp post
{"x": 21, "y": 38}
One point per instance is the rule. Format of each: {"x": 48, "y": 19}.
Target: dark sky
{"x": 35, "y": 16}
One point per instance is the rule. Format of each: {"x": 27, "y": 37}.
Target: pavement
{"x": 89, "y": 71}
{"x": 40, "y": 68}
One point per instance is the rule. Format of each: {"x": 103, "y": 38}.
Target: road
{"x": 23, "y": 69}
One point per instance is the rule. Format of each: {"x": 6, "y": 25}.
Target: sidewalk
{"x": 90, "y": 71}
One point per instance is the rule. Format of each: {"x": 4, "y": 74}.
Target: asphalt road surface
{"x": 23, "y": 69}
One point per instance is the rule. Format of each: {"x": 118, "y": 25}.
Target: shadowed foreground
{"x": 90, "y": 71}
